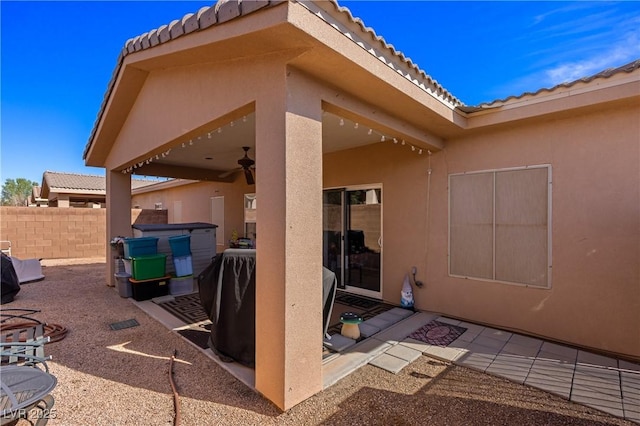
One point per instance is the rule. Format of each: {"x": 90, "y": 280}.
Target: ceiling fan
{"x": 246, "y": 164}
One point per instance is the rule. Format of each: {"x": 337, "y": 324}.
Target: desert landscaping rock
{"x": 120, "y": 377}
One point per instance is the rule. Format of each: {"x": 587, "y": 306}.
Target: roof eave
{"x": 164, "y": 41}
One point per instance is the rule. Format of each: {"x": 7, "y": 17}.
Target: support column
{"x": 118, "y": 213}
{"x": 289, "y": 243}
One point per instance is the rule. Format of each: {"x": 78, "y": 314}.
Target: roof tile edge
{"x": 204, "y": 18}
{"x": 607, "y": 73}
{"x": 420, "y": 78}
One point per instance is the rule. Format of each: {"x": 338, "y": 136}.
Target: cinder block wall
{"x": 54, "y": 233}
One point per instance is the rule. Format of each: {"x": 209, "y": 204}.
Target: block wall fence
{"x": 55, "y": 233}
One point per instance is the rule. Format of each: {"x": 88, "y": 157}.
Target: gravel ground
{"x": 121, "y": 377}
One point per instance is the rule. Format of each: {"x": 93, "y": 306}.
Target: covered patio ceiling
{"x": 214, "y": 153}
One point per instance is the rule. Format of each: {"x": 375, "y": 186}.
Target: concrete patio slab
{"x": 349, "y": 361}
{"x": 626, "y": 365}
{"x": 511, "y": 367}
{"x": 600, "y": 401}
{"x": 555, "y": 369}
{"x": 521, "y": 350}
{"x": 446, "y": 320}
{"x": 555, "y": 357}
{"x": 338, "y": 342}
{"x": 565, "y": 353}
{"x": 478, "y": 357}
{"x": 559, "y": 388}
{"x": 473, "y": 331}
{"x": 380, "y": 323}
{"x": 367, "y": 330}
{"x": 589, "y": 358}
{"x": 445, "y": 353}
{"x": 417, "y": 345}
{"x": 404, "y": 352}
{"x": 519, "y": 339}
{"x": 389, "y": 363}
{"x": 493, "y": 333}
{"x": 606, "y": 381}
{"x": 404, "y": 313}
{"x": 492, "y": 345}
{"x": 388, "y": 316}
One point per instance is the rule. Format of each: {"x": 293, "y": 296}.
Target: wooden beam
{"x": 182, "y": 172}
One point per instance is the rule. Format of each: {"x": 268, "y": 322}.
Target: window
{"x": 499, "y": 225}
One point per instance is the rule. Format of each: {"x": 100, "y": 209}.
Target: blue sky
{"x": 57, "y": 58}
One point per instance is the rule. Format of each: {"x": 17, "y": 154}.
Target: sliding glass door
{"x": 352, "y": 238}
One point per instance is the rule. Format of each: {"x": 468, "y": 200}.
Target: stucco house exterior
{"x": 522, "y": 214}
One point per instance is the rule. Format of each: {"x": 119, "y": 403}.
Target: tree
{"x": 17, "y": 192}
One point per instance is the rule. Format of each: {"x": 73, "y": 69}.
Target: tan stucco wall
{"x": 595, "y": 295}
{"x": 196, "y": 204}
{"x": 402, "y": 174}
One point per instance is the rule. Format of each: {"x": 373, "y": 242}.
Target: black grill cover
{"x": 228, "y": 296}
{"x": 10, "y": 285}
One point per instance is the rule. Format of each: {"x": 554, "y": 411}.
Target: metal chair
{"x": 25, "y": 394}
{"x": 22, "y": 339}
{"x": 25, "y": 346}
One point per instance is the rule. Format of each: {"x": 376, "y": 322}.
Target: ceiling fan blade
{"x": 229, "y": 173}
{"x": 249, "y": 176}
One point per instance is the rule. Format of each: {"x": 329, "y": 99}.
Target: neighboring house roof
{"x": 35, "y": 196}
{"x": 73, "y": 183}
{"x": 161, "y": 185}
{"x": 35, "y": 192}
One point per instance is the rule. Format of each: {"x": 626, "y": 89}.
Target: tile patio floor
{"x": 606, "y": 384}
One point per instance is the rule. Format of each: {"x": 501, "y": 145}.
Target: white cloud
{"x": 626, "y": 50}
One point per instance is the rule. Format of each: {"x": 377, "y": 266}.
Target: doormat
{"x": 124, "y": 324}
{"x": 357, "y": 301}
{"x": 199, "y": 336}
{"x": 438, "y": 333}
{"x": 186, "y": 308}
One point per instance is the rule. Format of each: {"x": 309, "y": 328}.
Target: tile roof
{"x": 411, "y": 70}
{"x": 609, "y": 72}
{"x": 78, "y": 183}
{"x": 226, "y": 10}
{"x": 207, "y": 16}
